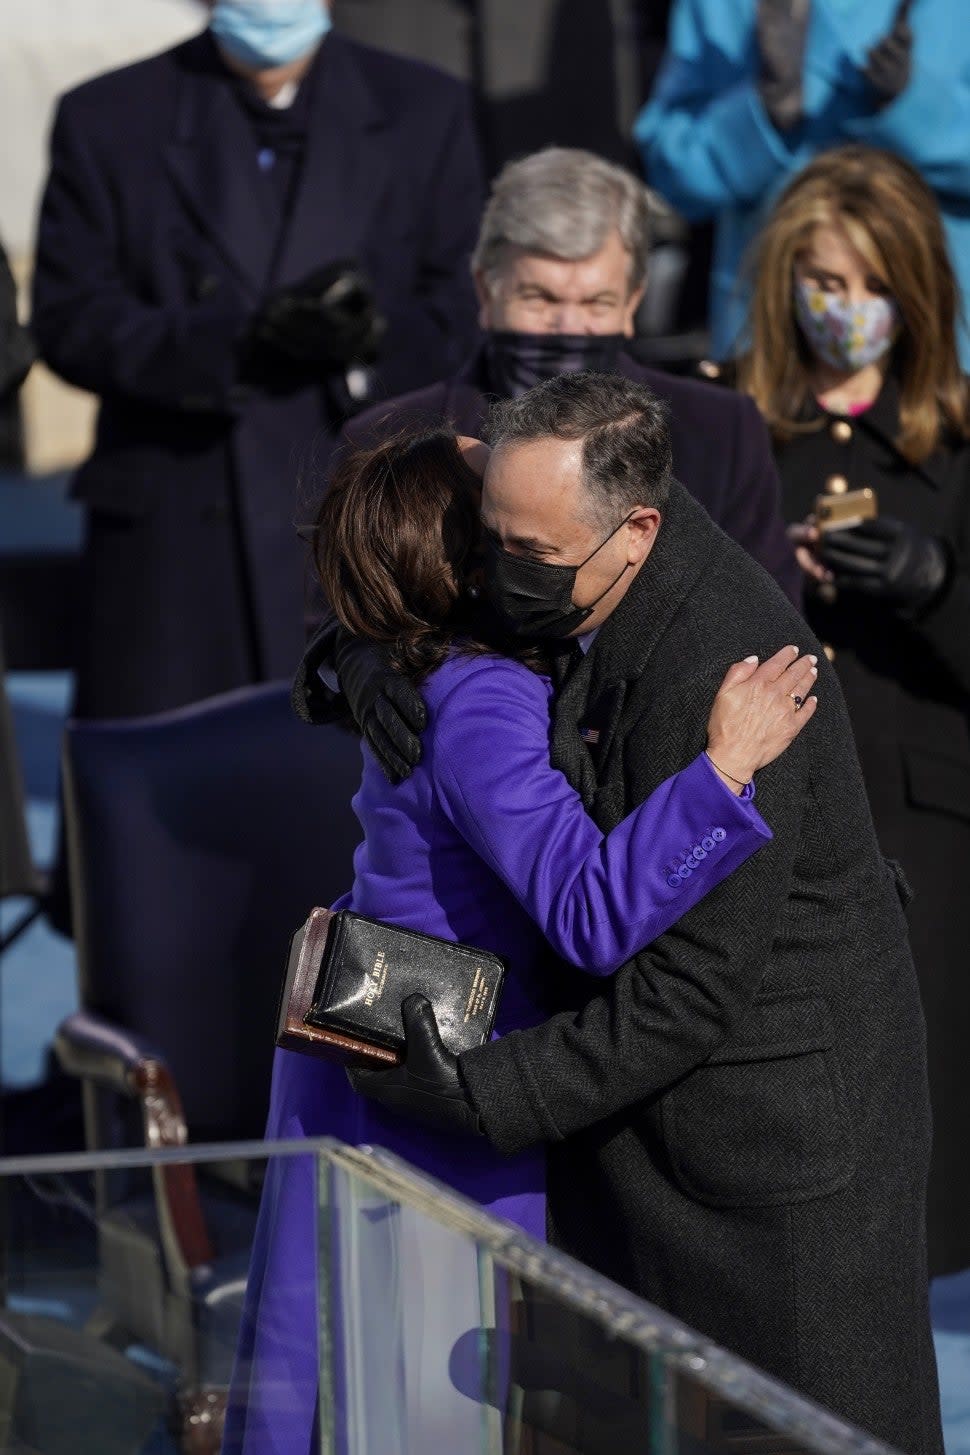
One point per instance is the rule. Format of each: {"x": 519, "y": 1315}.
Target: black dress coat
{"x": 907, "y": 686}
{"x": 738, "y": 1123}
{"x": 721, "y": 450}
{"x": 159, "y": 236}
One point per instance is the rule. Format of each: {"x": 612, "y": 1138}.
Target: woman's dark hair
{"x": 394, "y": 537}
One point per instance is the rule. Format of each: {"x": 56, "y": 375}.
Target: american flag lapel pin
{"x": 590, "y": 735}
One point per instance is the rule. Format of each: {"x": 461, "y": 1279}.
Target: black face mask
{"x": 516, "y": 361}
{"x": 535, "y": 598}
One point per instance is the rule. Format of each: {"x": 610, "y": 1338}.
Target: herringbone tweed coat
{"x": 738, "y": 1126}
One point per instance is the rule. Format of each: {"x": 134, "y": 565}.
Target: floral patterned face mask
{"x": 845, "y": 335}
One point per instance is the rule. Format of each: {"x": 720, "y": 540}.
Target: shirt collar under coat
{"x": 213, "y": 163}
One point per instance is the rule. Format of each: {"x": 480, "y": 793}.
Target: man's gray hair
{"x": 626, "y": 454}
{"x": 564, "y": 202}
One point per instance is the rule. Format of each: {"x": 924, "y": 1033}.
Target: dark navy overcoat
{"x": 157, "y": 242}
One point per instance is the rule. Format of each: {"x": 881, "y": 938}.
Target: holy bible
{"x": 348, "y": 976}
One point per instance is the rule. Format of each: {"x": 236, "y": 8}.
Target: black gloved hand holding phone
{"x": 887, "y": 560}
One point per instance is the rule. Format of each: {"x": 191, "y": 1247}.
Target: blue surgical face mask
{"x": 845, "y": 335}
{"x": 268, "y": 33}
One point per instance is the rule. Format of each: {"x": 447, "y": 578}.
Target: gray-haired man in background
{"x": 560, "y": 268}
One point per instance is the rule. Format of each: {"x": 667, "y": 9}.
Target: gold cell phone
{"x": 842, "y": 512}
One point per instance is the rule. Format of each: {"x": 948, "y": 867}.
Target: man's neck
{"x": 658, "y": 589}
{"x": 612, "y": 599}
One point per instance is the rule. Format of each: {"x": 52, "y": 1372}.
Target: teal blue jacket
{"x": 710, "y": 149}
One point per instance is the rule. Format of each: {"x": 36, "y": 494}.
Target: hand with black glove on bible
{"x": 427, "y": 1084}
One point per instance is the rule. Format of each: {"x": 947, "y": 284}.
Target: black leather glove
{"x": 890, "y": 61}
{"x": 329, "y": 320}
{"x": 426, "y": 1085}
{"x": 888, "y": 560}
{"x": 387, "y": 708}
{"x": 780, "y": 30}
{"x": 313, "y": 700}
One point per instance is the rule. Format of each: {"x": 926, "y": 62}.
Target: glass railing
{"x": 385, "y": 1316}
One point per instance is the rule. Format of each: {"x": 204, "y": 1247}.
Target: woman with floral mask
{"x": 853, "y": 362}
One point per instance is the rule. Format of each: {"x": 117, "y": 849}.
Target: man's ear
{"x": 484, "y": 294}
{"x": 475, "y": 453}
{"x": 630, "y": 310}
{"x": 642, "y": 527}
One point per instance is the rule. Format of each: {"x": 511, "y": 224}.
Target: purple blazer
{"x": 485, "y": 843}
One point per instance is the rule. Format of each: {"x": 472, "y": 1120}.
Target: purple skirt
{"x": 272, "y": 1405}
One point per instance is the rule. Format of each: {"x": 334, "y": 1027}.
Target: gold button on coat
{"x": 836, "y": 485}
{"x": 829, "y": 652}
{"x": 841, "y": 431}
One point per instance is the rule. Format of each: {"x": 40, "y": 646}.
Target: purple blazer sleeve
{"x": 597, "y": 899}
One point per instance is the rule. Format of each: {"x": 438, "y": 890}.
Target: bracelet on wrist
{"x": 741, "y": 782}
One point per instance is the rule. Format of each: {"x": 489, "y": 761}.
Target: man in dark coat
{"x": 738, "y": 1124}
{"x": 559, "y": 269}
{"x": 197, "y": 207}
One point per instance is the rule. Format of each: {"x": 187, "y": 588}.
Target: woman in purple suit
{"x": 485, "y": 843}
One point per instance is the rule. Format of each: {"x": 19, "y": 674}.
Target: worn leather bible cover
{"x": 292, "y": 1032}
{"x": 348, "y": 976}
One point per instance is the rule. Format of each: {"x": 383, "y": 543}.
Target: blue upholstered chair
{"x": 199, "y": 839}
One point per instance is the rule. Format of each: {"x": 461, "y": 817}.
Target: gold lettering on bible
{"x": 479, "y": 995}
{"x": 376, "y": 980}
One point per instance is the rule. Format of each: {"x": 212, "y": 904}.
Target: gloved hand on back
{"x": 342, "y": 675}
{"x": 387, "y": 708}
